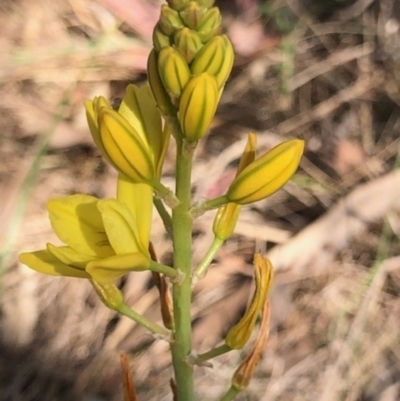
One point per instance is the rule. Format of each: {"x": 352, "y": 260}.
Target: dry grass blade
{"x": 129, "y": 385}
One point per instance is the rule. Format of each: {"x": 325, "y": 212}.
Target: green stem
{"x": 164, "y": 269}
{"x": 222, "y": 349}
{"x": 209, "y": 204}
{"x": 230, "y": 394}
{"x": 182, "y": 243}
{"x": 125, "y": 310}
{"x": 163, "y": 213}
{"x": 202, "y": 268}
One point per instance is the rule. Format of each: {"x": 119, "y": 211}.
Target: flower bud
{"x": 109, "y": 294}
{"x": 206, "y": 3}
{"x": 174, "y": 71}
{"x": 160, "y": 39}
{"x": 267, "y": 174}
{"x": 210, "y": 24}
{"x": 225, "y": 220}
{"x": 197, "y": 106}
{"x": 169, "y": 21}
{"x": 240, "y": 333}
{"x": 216, "y": 58}
{"x": 124, "y": 147}
{"x": 177, "y": 4}
{"x": 228, "y": 214}
{"x": 160, "y": 94}
{"x": 188, "y": 43}
{"x": 192, "y": 14}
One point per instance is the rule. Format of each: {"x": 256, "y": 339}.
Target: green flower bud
{"x": 188, "y": 43}
{"x": 192, "y": 14}
{"x": 268, "y": 173}
{"x": 160, "y": 39}
{"x": 160, "y": 94}
{"x": 169, "y": 21}
{"x": 206, "y": 3}
{"x": 174, "y": 71}
{"x": 216, "y": 58}
{"x": 210, "y": 24}
{"x": 197, "y": 106}
{"x": 109, "y": 294}
{"x": 177, "y": 5}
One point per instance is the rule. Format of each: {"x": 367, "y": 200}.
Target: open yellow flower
{"x": 132, "y": 139}
{"x": 104, "y": 239}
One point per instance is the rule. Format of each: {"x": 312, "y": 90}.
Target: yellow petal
{"x": 121, "y": 227}
{"x": 240, "y": 333}
{"x": 124, "y": 147}
{"x": 69, "y": 256}
{"x": 44, "y": 262}
{"x": 92, "y": 113}
{"x": 139, "y": 199}
{"x": 110, "y": 269}
{"x": 77, "y": 222}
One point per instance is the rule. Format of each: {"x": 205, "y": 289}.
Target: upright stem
{"x": 182, "y": 243}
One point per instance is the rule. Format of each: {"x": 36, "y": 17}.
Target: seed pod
{"x": 160, "y": 94}
{"x": 188, "y": 42}
{"x": 174, "y": 71}
{"x": 216, "y": 58}
{"x": 197, "y": 106}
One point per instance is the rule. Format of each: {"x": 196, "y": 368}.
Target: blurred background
{"x": 327, "y": 72}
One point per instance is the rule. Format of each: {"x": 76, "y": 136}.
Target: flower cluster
{"x": 105, "y": 239}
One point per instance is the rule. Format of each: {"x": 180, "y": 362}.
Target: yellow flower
{"x": 132, "y": 139}
{"x": 104, "y": 239}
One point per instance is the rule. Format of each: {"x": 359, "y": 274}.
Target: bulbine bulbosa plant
{"x": 108, "y": 238}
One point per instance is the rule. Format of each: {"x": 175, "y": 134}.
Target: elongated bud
{"x": 160, "y": 39}
{"x": 240, "y": 333}
{"x": 210, "y": 24}
{"x": 124, "y": 148}
{"x": 160, "y": 94}
{"x": 188, "y": 43}
{"x": 197, "y": 106}
{"x": 228, "y": 214}
{"x": 216, "y": 58}
{"x": 225, "y": 220}
{"x": 109, "y": 294}
{"x": 267, "y": 174}
{"x": 174, "y": 71}
{"x": 192, "y": 14}
{"x": 169, "y": 21}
